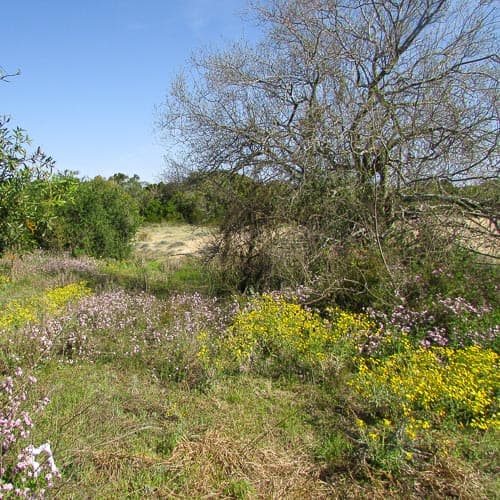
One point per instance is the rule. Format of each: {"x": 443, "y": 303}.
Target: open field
{"x": 171, "y": 241}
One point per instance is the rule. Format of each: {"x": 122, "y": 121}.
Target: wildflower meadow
{"x": 110, "y": 389}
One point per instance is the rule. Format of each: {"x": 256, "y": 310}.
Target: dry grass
{"x": 214, "y": 461}
{"x": 172, "y": 241}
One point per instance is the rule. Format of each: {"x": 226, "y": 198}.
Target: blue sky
{"x": 92, "y": 72}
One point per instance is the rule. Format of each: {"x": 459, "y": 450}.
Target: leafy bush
{"x": 156, "y": 211}
{"x": 101, "y": 220}
{"x": 19, "y": 213}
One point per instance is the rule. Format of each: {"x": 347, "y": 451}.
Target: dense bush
{"x": 100, "y": 221}
{"x": 330, "y": 235}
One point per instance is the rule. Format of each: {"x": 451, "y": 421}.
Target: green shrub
{"x": 277, "y": 336}
{"x": 101, "y": 220}
{"x": 19, "y": 213}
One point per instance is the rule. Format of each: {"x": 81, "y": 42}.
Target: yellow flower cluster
{"x": 430, "y": 384}
{"x": 354, "y": 327}
{"x": 56, "y": 298}
{"x": 203, "y": 353}
{"x": 272, "y": 327}
{"x": 16, "y": 313}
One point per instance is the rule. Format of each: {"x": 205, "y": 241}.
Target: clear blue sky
{"x": 92, "y": 72}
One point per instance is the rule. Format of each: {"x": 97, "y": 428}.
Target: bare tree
{"x": 4, "y": 75}
{"x": 400, "y": 96}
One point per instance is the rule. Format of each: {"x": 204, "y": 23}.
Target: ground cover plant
{"x": 112, "y": 390}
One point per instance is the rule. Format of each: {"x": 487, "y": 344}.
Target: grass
{"x": 167, "y": 242}
{"x": 142, "y": 405}
{"x": 243, "y": 436}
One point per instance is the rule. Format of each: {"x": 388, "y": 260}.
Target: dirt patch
{"x": 172, "y": 241}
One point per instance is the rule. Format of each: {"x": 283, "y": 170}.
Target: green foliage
{"x": 157, "y": 211}
{"x": 335, "y": 450}
{"x": 456, "y": 272}
{"x": 239, "y": 489}
{"x": 19, "y": 213}
{"x": 49, "y": 197}
{"x": 195, "y": 199}
{"x": 100, "y": 221}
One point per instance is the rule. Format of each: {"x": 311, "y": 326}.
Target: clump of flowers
{"x": 193, "y": 325}
{"x": 109, "y": 323}
{"x": 56, "y": 264}
{"x": 355, "y": 329}
{"x": 300, "y": 294}
{"x": 423, "y": 387}
{"x": 16, "y": 313}
{"x": 272, "y": 329}
{"x": 450, "y": 321}
{"x": 22, "y": 473}
{"x": 191, "y": 313}
{"x": 44, "y": 262}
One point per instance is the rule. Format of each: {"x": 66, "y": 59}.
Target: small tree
{"x": 100, "y": 221}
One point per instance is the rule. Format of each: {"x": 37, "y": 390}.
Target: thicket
{"x": 194, "y": 198}
{"x": 372, "y": 159}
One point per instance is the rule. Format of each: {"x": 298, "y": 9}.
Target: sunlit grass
{"x": 150, "y": 396}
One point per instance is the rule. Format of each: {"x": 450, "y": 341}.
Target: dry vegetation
{"x": 172, "y": 241}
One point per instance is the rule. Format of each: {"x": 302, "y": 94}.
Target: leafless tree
{"x": 4, "y": 75}
{"x": 401, "y": 96}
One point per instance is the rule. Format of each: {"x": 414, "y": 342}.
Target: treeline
{"x": 99, "y": 216}
{"x": 194, "y": 199}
